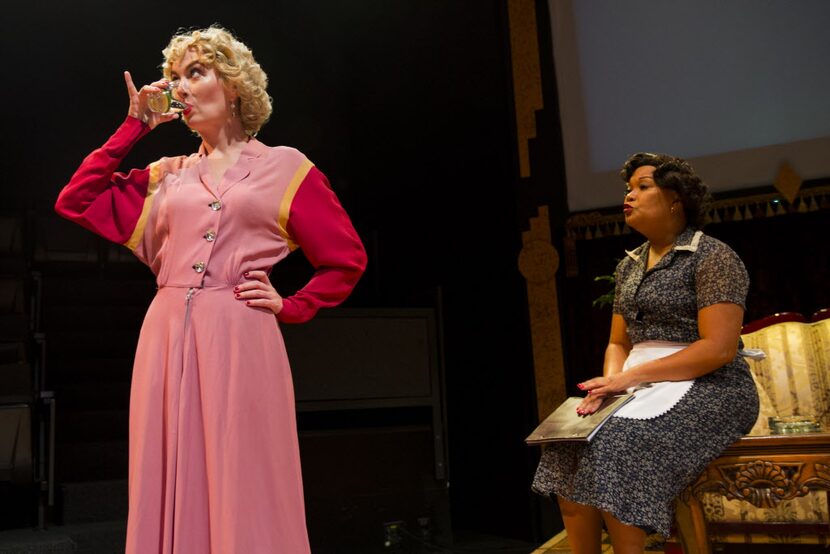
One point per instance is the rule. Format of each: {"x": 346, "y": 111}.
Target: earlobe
{"x": 675, "y": 202}
{"x": 231, "y": 94}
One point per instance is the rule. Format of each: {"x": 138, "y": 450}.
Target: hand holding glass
{"x": 165, "y": 101}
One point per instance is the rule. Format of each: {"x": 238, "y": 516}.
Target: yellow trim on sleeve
{"x": 152, "y": 187}
{"x": 288, "y": 198}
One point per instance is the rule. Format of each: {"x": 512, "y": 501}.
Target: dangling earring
{"x": 234, "y": 115}
{"x": 672, "y": 208}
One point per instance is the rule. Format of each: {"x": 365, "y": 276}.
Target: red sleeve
{"x": 101, "y": 200}
{"x": 321, "y": 227}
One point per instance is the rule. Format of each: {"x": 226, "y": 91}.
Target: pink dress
{"x": 214, "y": 460}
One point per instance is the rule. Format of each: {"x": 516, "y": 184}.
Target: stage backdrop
{"x": 738, "y": 87}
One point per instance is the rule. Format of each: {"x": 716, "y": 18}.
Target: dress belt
{"x": 198, "y": 287}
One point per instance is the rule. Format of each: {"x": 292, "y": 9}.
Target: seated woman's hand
{"x": 589, "y": 404}
{"x": 604, "y": 386}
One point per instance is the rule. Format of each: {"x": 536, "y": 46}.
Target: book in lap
{"x": 564, "y": 424}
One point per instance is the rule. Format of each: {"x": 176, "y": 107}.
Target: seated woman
{"x": 675, "y": 340}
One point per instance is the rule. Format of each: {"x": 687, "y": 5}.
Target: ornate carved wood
{"x": 762, "y": 470}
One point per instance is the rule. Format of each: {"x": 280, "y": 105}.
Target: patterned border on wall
{"x": 595, "y": 225}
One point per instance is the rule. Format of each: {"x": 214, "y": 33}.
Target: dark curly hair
{"x": 675, "y": 174}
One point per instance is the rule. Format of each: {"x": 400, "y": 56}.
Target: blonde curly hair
{"x": 235, "y": 64}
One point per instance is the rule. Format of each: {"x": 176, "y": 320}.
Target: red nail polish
{"x": 580, "y": 386}
{"x": 247, "y": 303}
{"x": 237, "y": 296}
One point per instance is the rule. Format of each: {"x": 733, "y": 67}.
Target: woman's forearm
{"x": 697, "y": 359}
{"x": 100, "y": 199}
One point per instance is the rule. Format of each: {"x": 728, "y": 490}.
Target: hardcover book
{"x": 564, "y": 424}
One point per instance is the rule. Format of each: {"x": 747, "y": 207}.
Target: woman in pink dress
{"x": 214, "y": 460}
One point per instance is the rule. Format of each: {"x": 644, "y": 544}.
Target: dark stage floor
{"x": 108, "y": 538}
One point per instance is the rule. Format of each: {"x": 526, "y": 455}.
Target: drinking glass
{"x": 165, "y": 101}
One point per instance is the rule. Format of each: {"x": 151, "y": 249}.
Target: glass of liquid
{"x": 165, "y": 101}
